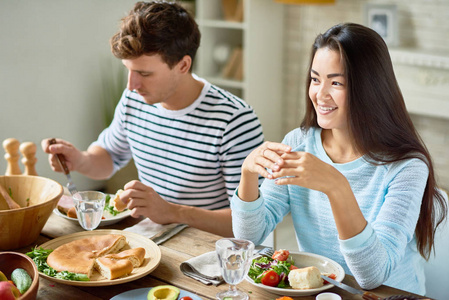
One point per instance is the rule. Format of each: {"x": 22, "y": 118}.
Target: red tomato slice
{"x": 332, "y": 276}
{"x": 186, "y": 298}
{"x": 292, "y": 267}
{"x": 281, "y": 255}
{"x": 270, "y": 278}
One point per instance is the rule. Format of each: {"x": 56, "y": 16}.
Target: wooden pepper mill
{"x": 12, "y": 156}
{"x": 28, "y": 150}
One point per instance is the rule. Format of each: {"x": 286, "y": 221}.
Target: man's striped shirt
{"x": 191, "y": 156}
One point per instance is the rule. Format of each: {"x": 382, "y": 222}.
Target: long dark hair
{"x": 157, "y": 27}
{"x": 378, "y": 119}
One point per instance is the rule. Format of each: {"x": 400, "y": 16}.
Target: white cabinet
{"x": 259, "y": 35}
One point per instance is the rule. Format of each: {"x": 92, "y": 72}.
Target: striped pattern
{"x": 190, "y": 156}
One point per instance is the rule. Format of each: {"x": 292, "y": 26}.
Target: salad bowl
{"x": 302, "y": 260}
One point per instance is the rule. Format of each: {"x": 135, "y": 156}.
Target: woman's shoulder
{"x": 414, "y": 166}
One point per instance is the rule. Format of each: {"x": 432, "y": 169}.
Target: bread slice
{"x": 134, "y": 255}
{"x": 112, "y": 268}
{"x": 79, "y": 256}
{"x": 118, "y": 204}
{"x": 305, "y": 278}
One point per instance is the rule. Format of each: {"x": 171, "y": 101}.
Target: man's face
{"x": 152, "y": 78}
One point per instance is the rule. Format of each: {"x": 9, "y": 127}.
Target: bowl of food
{"x": 299, "y": 273}
{"x": 19, "y": 278}
{"x": 35, "y": 197}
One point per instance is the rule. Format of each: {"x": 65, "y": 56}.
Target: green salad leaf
{"x": 39, "y": 256}
{"x": 261, "y": 264}
{"x": 109, "y": 208}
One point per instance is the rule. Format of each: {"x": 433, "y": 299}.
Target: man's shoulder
{"x": 216, "y": 96}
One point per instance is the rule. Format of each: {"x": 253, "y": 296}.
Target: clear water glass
{"x": 234, "y": 257}
{"x": 89, "y": 207}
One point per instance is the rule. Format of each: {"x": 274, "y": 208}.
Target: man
{"x": 188, "y": 138}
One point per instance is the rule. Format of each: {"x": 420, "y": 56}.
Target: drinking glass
{"x": 89, "y": 207}
{"x": 234, "y": 257}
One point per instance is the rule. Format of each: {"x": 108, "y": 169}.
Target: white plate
{"x": 302, "y": 260}
{"x": 152, "y": 257}
{"x": 141, "y": 294}
{"x": 108, "y": 218}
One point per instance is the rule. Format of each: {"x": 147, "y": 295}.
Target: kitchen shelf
{"x": 259, "y": 35}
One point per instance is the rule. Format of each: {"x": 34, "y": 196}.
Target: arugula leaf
{"x": 39, "y": 257}
{"x": 109, "y": 208}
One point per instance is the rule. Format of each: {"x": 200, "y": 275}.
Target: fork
{"x": 71, "y": 186}
{"x": 267, "y": 251}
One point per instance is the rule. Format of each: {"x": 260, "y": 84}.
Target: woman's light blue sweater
{"x": 389, "y": 197}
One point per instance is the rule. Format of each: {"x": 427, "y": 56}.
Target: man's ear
{"x": 185, "y": 64}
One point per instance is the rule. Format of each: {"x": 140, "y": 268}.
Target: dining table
{"x": 188, "y": 243}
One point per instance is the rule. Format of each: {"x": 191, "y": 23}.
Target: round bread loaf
{"x": 79, "y": 256}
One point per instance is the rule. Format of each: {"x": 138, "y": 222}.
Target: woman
{"x": 356, "y": 177}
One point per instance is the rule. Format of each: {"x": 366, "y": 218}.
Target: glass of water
{"x": 234, "y": 257}
{"x": 89, "y": 207}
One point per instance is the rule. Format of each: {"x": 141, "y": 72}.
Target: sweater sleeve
{"x": 255, "y": 220}
{"x": 242, "y": 135}
{"x": 377, "y": 250}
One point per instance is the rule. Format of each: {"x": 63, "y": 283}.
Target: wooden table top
{"x": 188, "y": 243}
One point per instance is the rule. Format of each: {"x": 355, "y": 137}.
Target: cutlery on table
{"x": 71, "y": 186}
{"x": 169, "y": 233}
{"x": 365, "y": 295}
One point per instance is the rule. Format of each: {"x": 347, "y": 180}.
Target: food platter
{"x": 141, "y": 294}
{"x": 108, "y": 218}
{"x": 302, "y": 260}
{"x": 151, "y": 261}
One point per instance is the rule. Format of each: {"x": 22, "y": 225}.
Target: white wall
{"x": 52, "y": 53}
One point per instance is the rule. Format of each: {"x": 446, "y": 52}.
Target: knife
{"x": 169, "y": 233}
{"x": 366, "y": 295}
{"x": 342, "y": 285}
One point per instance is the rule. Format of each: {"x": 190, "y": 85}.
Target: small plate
{"x": 108, "y": 218}
{"x": 152, "y": 257}
{"x": 302, "y": 260}
{"x": 141, "y": 294}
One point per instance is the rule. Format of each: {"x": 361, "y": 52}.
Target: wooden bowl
{"x": 9, "y": 261}
{"x": 37, "y": 196}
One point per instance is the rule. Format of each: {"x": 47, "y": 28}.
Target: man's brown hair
{"x": 157, "y": 27}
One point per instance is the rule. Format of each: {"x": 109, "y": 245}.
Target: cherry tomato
{"x": 292, "y": 267}
{"x": 186, "y": 298}
{"x": 270, "y": 278}
{"x": 331, "y": 276}
{"x": 281, "y": 255}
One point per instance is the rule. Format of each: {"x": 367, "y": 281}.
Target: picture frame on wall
{"x": 383, "y": 19}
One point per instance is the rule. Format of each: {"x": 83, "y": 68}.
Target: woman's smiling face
{"x": 328, "y": 90}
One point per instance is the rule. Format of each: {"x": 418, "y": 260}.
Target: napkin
{"x": 204, "y": 268}
{"x": 148, "y": 228}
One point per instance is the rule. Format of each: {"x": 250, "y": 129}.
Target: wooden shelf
{"x": 259, "y": 35}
